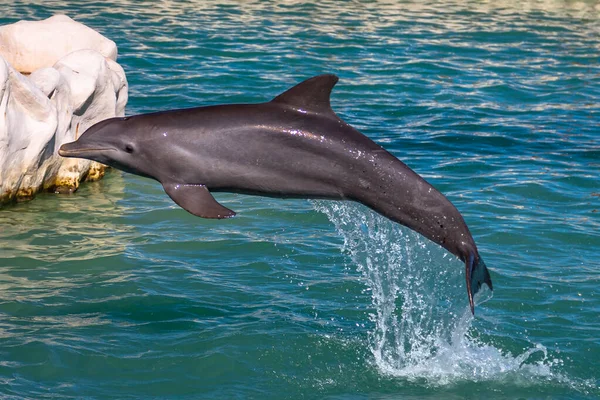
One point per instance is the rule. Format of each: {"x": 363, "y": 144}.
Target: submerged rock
{"x": 54, "y": 105}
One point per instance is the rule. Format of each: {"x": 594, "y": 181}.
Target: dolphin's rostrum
{"x": 292, "y": 146}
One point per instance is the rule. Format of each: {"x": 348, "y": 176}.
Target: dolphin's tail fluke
{"x": 477, "y": 274}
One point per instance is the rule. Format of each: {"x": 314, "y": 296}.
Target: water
{"x": 115, "y": 292}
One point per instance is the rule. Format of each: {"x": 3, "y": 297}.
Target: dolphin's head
{"x": 113, "y": 142}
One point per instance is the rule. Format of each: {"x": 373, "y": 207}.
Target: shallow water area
{"x": 115, "y": 292}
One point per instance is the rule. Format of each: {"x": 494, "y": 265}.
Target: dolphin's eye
{"x": 129, "y": 148}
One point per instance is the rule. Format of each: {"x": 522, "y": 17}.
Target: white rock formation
{"x": 31, "y": 45}
{"x": 52, "y": 106}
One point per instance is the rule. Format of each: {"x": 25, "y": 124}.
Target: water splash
{"x": 423, "y": 328}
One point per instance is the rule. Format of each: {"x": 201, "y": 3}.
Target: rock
{"x": 31, "y": 45}
{"x": 52, "y": 106}
{"x": 46, "y": 79}
{"x": 28, "y": 122}
{"x": 93, "y": 89}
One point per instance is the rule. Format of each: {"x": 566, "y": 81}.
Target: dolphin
{"x": 293, "y": 146}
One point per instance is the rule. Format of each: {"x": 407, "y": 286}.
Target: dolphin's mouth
{"x": 64, "y": 150}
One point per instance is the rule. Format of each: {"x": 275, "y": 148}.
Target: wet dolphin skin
{"x": 292, "y": 146}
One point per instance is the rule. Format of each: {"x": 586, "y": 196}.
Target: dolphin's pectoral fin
{"x": 477, "y": 274}
{"x": 197, "y": 200}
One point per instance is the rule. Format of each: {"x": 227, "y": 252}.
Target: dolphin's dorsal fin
{"x": 311, "y": 95}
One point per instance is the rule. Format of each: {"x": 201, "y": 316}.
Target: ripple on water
{"x": 116, "y": 290}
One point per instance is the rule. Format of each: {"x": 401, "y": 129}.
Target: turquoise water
{"x": 115, "y": 292}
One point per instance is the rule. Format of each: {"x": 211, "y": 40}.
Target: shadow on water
{"x": 57, "y": 228}
{"x": 56, "y": 245}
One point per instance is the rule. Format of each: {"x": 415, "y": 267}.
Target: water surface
{"x": 115, "y": 292}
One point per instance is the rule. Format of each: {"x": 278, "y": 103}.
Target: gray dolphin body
{"x": 293, "y": 146}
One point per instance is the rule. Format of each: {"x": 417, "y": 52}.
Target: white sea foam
{"x": 423, "y": 328}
